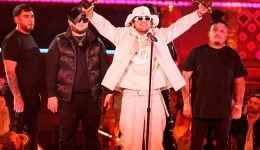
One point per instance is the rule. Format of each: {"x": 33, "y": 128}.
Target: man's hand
{"x": 236, "y": 112}
{"x": 202, "y": 10}
{"x": 18, "y": 104}
{"x": 88, "y": 12}
{"x": 53, "y": 104}
{"x": 187, "y": 110}
{"x": 108, "y": 101}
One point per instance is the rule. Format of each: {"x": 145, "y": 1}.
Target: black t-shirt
{"x": 214, "y": 71}
{"x": 23, "y": 49}
{"x": 81, "y": 83}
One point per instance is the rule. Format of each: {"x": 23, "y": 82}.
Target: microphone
{"x": 153, "y": 38}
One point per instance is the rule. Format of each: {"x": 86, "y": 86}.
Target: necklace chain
{"x": 80, "y": 41}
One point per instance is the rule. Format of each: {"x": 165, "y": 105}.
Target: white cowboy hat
{"x": 141, "y": 11}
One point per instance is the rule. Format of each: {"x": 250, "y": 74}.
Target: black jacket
{"x": 61, "y": 65}
{"x": 239, "y": 129}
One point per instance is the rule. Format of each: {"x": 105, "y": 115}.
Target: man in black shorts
{"x": 216, "y": 70}
{"x": 21, "y": 56}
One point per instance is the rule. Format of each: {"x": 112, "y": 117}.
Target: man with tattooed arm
{"x": 21, "y": 56}
{"x": 216, "y": 70}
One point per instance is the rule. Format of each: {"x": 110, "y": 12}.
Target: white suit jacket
{"x": 125, "y": 41}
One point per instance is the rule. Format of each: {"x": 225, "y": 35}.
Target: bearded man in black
{"x": 76, "y": 64}
{"x": 21, "y": 56}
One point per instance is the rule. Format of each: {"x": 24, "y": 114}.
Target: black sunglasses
{"x": 140, "y": 18}
{"x": 83, "y": 18}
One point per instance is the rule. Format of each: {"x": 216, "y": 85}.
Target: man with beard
{"x": 76, "y": 64}
{"x": 246, "y": 130}
{"x": 215, "y": 69}
{"x": 21, "y": 56}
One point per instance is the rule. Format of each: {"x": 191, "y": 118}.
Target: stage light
{"x": 45, "y": 50}
{"x": 257, "y": 55}
{"x": 108, "y": 135}
{"x": 155, "y": 2}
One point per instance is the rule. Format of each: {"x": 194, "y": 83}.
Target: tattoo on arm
{"x": 240, "y": 90}
{"x": 186, "y": 89}
{"x": 13, "y": 83}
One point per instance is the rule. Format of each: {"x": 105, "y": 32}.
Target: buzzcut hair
{"x": 256, "y": 94}
{"x": 21, "y": 7}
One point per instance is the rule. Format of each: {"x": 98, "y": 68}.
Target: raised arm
{"x": 183, "y": 24}
{"x": 104, "y": 27}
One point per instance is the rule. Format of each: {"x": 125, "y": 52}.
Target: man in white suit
{"x": 130, "y": 69}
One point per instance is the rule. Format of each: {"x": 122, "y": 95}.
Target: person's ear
{"x": 70, "y": 23}
{"x": 16, "y": 20}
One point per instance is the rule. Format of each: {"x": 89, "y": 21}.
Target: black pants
{"x": 168, "y": 142}
{"x": 220, "y": 129}
{"x": 81, "y": 108}
{"x": 27, "y": 121}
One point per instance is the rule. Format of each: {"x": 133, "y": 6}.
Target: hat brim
{"x": 130, "y": 17}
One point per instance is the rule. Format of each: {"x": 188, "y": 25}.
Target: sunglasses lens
{"x": 84, "y": 19}
{"x": 139, "y": 18}
{"x": 147, "y": 18}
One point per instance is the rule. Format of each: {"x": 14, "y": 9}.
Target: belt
{"x": 140, "y": 92}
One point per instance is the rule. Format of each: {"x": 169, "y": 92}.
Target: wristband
{"x": 238, "y": 106}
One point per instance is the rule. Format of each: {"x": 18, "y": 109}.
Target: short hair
{"x": 256, "y": 94}
{"x": 220, "y": 21}
{"x": 21, "y": 7}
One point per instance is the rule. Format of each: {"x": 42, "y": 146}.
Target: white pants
{"x": 133, "y": 118}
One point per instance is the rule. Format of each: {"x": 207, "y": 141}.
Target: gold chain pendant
{"x": 80, "y": 41}
{"x": 80, "y": 44}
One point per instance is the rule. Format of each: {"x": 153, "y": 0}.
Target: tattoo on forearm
{"x": 240, "y": 89}
{"x": 13, "y": 83}
{"x": 186, "y": 89}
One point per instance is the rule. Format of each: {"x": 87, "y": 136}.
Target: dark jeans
{"x": 27, "y": 121}
{"x": 81, "y": 108}
{"x": 168, "y": 142}
{"x": 220, "y": 129}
